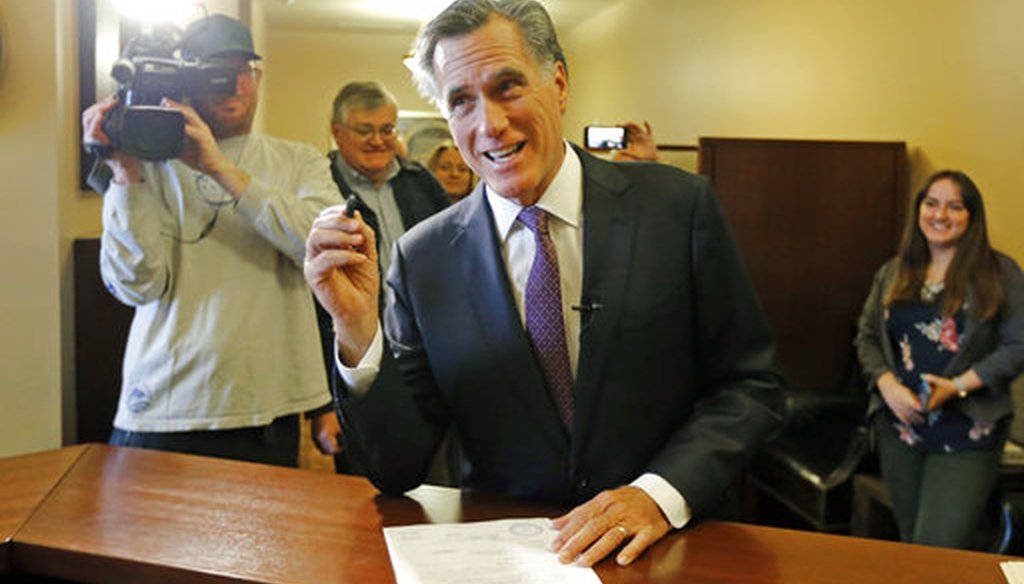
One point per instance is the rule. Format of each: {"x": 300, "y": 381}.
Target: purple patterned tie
{"x": 544, "y": 321}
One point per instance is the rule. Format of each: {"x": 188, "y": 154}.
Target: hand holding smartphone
{"x": 604, "y": 137}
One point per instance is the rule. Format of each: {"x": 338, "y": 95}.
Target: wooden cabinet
{"x": 813, "y": 221}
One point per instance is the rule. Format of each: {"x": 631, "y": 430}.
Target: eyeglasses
{"x": 366, "y": 131}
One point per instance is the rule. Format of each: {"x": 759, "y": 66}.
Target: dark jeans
{"x": 276, "y": 443}
{"x": 938, "y": 498}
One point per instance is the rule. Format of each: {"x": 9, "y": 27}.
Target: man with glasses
{"x": 221, "y": 357}
{"x": 392, "y": 192}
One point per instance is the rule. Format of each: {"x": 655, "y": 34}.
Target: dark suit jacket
{"x": 676, "y": 369}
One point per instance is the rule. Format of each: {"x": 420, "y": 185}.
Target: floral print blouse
{"x": 926, "y": 342}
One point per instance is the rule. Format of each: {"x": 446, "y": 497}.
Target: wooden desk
{"x": 128, "y": 515}
{"x": 26, "y": 480}
{"x": 125, "y": 515}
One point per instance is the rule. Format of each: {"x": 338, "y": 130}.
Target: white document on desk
{"x": 506, "y": 551}
{"x": 1014, "y": 571}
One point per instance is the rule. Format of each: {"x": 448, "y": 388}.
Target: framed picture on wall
{"x": 100, "y": 35}
{"x": 421, "y": 132}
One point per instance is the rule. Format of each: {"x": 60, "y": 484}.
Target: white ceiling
{"x": 396, "y": 15}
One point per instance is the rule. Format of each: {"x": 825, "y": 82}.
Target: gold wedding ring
{"x": 621, "y": 530}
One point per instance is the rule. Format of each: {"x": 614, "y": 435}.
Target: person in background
{"x": 940, "y": 339}
{"x": 222, "y": 353}
{"x": 392, "y": 194}
{"x": 401, "y": 148}
{"x": 451, "y": 170}
{"x": 588, "y": 327}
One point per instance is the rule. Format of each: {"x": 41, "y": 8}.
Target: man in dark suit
{"x": 587, "y": 326}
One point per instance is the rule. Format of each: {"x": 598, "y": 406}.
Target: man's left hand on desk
{"x": 596, "y": 528}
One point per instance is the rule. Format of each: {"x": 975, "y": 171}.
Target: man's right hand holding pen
{"x": 341, "y": 268}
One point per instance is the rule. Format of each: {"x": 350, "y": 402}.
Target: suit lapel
{"x": 608, "y": 226}
{"x": 490, "y": 296}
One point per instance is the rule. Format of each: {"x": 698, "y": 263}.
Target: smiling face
{"x": 452, "y": 172}
{"x": 504, "y": 110}
{"x": 942, "y": 216}
{"x": 367, "y": 140}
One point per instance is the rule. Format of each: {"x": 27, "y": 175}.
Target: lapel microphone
{"x": 587, "y": 309}
{"x": 588, "y": 306}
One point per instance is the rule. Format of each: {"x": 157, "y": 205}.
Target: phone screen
{"x": 604, "y": 137}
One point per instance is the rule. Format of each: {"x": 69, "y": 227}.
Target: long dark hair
{"x": 975, "y": 266}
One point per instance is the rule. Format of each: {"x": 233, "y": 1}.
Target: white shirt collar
{"x": 563, "y": 198}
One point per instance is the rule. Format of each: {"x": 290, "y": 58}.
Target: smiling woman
{"x": 940, "y": 341}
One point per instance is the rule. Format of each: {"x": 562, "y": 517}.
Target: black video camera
{"x": 148, "y": 71}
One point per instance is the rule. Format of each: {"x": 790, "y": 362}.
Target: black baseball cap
{"x": 217, "y": 35}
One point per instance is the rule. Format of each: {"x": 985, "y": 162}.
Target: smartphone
{"x": 604, "y": 137}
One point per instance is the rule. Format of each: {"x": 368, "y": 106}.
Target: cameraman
{"x": 223, "y": 352}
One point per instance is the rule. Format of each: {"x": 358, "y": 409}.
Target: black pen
{"x": 350, "y": 206}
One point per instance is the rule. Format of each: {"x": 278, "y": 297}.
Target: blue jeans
{"x": 276, "y": 443}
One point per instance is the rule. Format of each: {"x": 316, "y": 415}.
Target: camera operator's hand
{"x": 126, "y": 169}
{"x": 203, "y": 154}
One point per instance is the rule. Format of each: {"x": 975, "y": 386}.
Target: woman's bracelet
{"x": 960, "y": 389}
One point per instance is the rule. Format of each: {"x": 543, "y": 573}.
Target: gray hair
{"x": 361, "y": 95}
{"x": 465, "y": 16}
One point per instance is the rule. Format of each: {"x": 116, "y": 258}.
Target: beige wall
{"x": 945, "y": 76}
{"x": 304, "y": 71}
{"x": 37, "y": 162}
